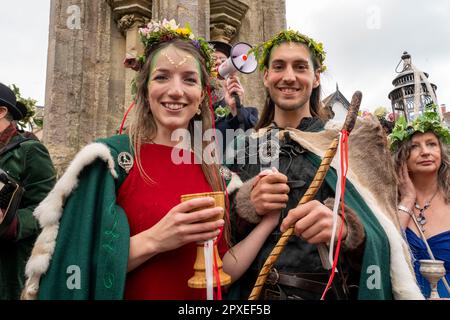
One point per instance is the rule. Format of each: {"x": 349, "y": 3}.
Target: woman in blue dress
{"x": 421, "y": 154}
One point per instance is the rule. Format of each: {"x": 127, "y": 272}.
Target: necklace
{"x": 421, "y": 217}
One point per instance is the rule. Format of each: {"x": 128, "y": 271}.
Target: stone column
{"x": 81, "y": 103}
{"x": 262, "y": 20}
{"x": 131, "y": 15}
{"x": 194, "y": 12}
{"x": 226, "y": 17}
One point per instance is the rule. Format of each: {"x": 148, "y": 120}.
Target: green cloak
{"x": 91, "y": 253}
{"x": 375, "y": 281}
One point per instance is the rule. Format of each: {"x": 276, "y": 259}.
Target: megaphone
{"x": 239, "y": 60}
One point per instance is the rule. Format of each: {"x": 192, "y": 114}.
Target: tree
{"x": 380, "y": 112}
{"x": 29, "y": 120}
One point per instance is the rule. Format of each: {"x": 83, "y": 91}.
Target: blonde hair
{"x": 404, "y": 151}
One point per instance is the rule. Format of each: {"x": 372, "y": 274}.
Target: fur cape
{"x": 372, "y": 173}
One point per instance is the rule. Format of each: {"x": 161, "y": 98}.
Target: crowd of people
{"x": 113, "y": 226}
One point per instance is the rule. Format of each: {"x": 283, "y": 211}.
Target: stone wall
{"x": 194, "y": 12}
{"x": 85, "y": 81}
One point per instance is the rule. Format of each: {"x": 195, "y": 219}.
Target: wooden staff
{"x": 308, "y": 196}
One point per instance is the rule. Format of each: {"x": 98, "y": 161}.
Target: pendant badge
{"x": 125, "y": 161}
{"x": 225, "y": 172}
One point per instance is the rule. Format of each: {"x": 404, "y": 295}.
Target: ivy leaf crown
{"x": 262, "y": 51}
{"x": 428, "y": 121}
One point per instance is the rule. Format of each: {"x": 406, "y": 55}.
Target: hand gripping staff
{"x": 308, "y": 196}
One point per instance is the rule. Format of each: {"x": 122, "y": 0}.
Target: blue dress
{"x": 440, "y": 246}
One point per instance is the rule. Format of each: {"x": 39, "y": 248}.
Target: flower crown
{"x": 156, "y": 32}
{"x": 428, "y": 121}
{"x": 262, "y": 51}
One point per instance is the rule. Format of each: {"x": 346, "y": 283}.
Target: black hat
{"x": 223, "y": 47}
{"x": 22, "y": 108}
{"x": 8, "y": 99}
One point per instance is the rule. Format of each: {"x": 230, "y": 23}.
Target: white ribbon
{"x": 336, "y": 199}
{"x": 208, "y": 250}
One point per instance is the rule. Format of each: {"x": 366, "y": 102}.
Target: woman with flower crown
{"x": 114, "y": 226}
{"x": 422, "y": 160}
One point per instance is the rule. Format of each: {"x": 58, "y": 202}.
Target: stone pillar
{"x": 194, "y": 12}
{"x": 131, "y": 15}
{"x": 262, "y": 20}
{"x": 81, "y": 100}
{"x": 133, "y": 47}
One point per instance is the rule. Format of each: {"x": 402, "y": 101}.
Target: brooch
{"x": 225, "y": 172}
{"x": 125, "y": 161}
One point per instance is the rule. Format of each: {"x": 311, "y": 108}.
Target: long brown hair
{"x": 404, "y": 151}
{"x": 315, "y": 105}
{"x": 143, "y": 127}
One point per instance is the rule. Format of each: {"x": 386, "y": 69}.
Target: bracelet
{"x": 405, "y": 209}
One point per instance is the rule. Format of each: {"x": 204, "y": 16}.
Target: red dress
{"x": 165, "y": 275}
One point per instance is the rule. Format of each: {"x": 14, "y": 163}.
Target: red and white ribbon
{"x": 208, "y": 250}
{"x": 342, "y": 158}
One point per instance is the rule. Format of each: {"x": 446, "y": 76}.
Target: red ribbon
{"x": 125, "y": 117}
{"x": 343, "y": 145}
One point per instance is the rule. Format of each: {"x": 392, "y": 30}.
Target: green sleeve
{"x": 39, "y": 177}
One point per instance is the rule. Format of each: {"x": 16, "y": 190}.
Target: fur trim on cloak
{"x": 49, "y": 212}
{"x": 372, "y": 173}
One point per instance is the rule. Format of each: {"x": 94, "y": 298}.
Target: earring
{"x": 199, "y": 111}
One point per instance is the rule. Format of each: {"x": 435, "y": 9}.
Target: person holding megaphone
{"x": 228, "y": 92}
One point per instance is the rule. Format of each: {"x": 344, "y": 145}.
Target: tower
{"x": 412, "y": 90}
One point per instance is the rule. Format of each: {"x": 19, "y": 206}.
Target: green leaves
{"x": 428, "y": 121}
{"x": 31, "y": 109}
{"x": 380, "y": 112}
{"x": 222, "y": 112}
{"x": 262, "y": 50}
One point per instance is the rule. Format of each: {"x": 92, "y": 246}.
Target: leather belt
{"x": 316, "y": 282}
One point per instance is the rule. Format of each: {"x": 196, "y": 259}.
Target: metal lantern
{"x": 411, "y": 87}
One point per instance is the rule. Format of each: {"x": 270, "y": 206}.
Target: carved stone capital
{"x": 222, "y": 32}
{"x": 226, "y": 17}
{"x": 131, "y": 13}
{"x": 129, "y": 21}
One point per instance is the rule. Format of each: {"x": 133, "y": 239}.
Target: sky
{"x": 24, "y": 28}
{"x": 364, "y": 40}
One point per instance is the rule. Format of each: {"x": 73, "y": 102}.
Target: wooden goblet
{"x": 198, "y": 280}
